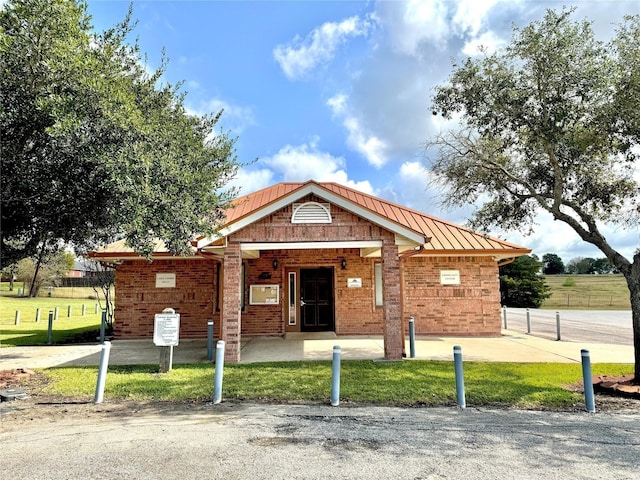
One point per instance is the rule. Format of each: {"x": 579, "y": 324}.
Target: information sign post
{"x": 166, "y": 333}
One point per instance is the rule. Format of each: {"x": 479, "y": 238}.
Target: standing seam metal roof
{"x": 445, "y": 236}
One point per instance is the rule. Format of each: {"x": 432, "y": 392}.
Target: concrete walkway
{"x": 510, "y": 347}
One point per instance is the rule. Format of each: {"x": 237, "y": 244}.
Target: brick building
{"x": 302, "y": 257}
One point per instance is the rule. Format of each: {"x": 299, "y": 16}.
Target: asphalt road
{"x": 248, "y": 441}
{"x": 606, "y": 326}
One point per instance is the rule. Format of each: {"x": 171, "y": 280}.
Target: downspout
{"x": 505, "y": 261}
{"x": 411, "y": 253}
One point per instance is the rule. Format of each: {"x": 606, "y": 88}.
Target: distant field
{"x": 598, "y": 292}
{"x": 32, "y": 332}
{"x": 55, "y": 292}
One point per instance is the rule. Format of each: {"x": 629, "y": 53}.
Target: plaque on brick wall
{"x": 354, "y": 283}
{"x": 165, "y": 280}
{"x": 264, "y": 295}
{"x": 450, "y": 277}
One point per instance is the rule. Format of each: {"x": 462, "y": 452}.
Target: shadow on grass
{"x": 39, "y": 337}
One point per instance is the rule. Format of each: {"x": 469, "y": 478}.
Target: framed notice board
{"x": 264, "y": 294}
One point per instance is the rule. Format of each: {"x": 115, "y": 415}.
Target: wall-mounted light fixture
{"x": 343, "y": 264}
{"x": 275, "y": 264}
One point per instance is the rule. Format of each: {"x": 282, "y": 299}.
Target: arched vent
{"x": 311, "y": 212}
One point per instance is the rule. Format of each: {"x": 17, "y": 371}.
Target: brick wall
{"x": 138, "y": 299}
{"x": 471, "y": 308}
{"x": 355, "y": 311}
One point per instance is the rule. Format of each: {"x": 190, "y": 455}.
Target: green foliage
{"x": 93, "y": 146}
{"x": 569, "y": 282}
{"x": 553, "y": 264}
{"x": 545, "y": 125}
{"x": 580, "y": 266}
{"x": 52, "y": 267}
{"x": 521, "y": 285}
{"x": 551, "y": 122}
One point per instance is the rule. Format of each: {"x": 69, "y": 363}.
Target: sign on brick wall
{"x": 450, "y": 277}
{"x": 165, "y": 280}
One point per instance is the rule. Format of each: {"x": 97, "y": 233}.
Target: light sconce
{"x": 275, "y": 264}
{"x": 343, "y": 264}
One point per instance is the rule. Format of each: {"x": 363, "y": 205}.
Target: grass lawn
{"x": 28, "y": 332}
{"x": 601, "y": 292}
{"x": 364, "y": 382}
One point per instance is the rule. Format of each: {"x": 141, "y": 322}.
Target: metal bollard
{"x": 56, "y": 312}
{"x": 457, "y": 359}
{"x": 50, "y": 329}
{"x": 102, "y": 372}
{"x": 103, "y": 324}
{"x": 335, "y": 376}
{"x": 217, "y": 378}
{"x": 69, "y": 311}
{"x": 558, "y": 335}
{"x": 210, "y": 340}
{"x": 528, "y": 321}
{"x": 589, "y": 400}
{"x": 17, "y": 322}
{"x": 412, "y": 338}
{"x": 37, "y": 315}
{"x": 504, "y": 316}
{"x": 84, "y": 309}
{"x": 97, "y": 307}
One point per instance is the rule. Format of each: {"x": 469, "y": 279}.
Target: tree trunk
{"x": 33, "y": 289}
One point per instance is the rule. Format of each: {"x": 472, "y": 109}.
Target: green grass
{"x": 598, "y": 292}
{"x": 28, "y": 332}
{"x": 364, "y": 382}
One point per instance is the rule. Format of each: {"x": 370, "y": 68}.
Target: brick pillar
{"x": 393, "y": 335}
{"x": 230, "y": 315}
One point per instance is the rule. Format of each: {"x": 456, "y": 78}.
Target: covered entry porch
{"x": 334, "y": 287}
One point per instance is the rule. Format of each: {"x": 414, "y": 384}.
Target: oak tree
{"x": 92, "y": 146}
{"x": 551, "y": 122}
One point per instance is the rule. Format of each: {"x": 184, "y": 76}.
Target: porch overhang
{"x": 368, "y": 248}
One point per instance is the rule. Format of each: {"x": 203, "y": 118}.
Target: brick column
{"x": 393, "y": 335}
{"x": 230, "y": 314}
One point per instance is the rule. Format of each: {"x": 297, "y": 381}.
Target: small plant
{"x": 569, "y": 282}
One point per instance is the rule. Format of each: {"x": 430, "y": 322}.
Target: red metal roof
{"x": 442, "y": 237}
{"x": 445, "y": 236}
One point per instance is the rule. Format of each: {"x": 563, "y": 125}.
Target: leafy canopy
{"x": 93, "y": 147}
{"x": 521, "y": 284}
{"x": 550, "y": 122}
{"x": 552, "y": 264}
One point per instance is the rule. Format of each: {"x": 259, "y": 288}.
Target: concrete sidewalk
{"x": 510, "y": 347}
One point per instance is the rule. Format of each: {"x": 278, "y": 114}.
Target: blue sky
{"x": 340, "y": 91}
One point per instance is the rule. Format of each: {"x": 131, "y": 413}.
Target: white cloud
{"x": 413, "y": 24}
{"x": 248, "y": 181}
{"x": 301, "y": 56}
{"x": 305, "y": 162}
{"x": 368, "y": 145}
{"x": 488, "y": 42}
{"x": 235, "y": 117}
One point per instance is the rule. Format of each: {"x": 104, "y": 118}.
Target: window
{"x": 378, "y": 284}
{"x": 292, "y": 298}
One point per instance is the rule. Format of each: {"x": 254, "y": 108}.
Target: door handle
{"x": 302, "y": 303}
